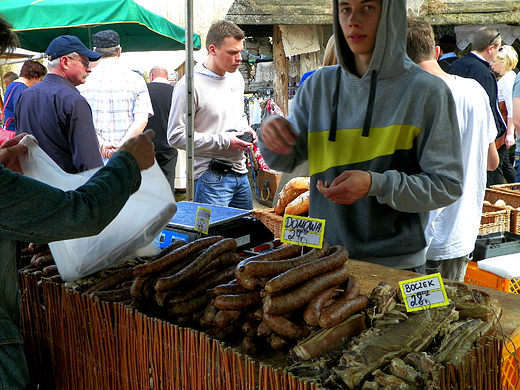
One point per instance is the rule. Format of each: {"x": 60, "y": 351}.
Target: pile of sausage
{"x": 173, "y": 283}
{"x": 287, "y": 296}
{"x": 284, "y": 296}
{"x": 39, "y": 262}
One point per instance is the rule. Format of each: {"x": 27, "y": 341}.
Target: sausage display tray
{"x": 73, "y": 341}
{"x": 228, "y": 222}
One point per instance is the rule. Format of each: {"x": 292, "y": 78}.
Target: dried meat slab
{"x": 371, "y": 351}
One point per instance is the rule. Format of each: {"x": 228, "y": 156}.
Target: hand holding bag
{"x": 143, "y": 217}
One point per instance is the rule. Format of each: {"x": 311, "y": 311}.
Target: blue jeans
{"x": 14, "y": 374}
{"x": 224, "y": 189}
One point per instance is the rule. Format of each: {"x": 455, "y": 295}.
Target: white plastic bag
{"x": 143, "y": 217}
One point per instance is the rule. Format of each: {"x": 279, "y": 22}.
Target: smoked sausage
{"x": 337, "y": 256}
{"x": 285, "y": 303}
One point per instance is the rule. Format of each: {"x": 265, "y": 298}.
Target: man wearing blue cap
{"x": 55, "y": 112}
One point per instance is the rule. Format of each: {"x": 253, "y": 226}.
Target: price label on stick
{"x": 303, "y": 231}
{"x": 424, "y": 293}
{"x": 202, "y": 220}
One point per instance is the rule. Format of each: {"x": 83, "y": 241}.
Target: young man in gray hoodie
{"x": 380, "y": 154}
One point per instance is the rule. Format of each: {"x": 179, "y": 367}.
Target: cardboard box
{"x": 267, "y": 182}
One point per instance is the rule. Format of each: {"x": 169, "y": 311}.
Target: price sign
{"x": 303, "y": 231}
{"x": 424, "y": 292}
{"x": 202, "y": 220}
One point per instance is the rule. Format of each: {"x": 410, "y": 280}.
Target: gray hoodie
{"x": 398, "y": 123}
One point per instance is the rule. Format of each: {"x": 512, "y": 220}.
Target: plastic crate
{"x": 479, "y": 277}
{"x": 496, "y": 244}
{"x": 511, "y": 364}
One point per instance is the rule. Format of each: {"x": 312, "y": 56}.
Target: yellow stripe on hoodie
{"x": 325, "y": 154}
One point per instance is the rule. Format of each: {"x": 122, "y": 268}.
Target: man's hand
{"x": 278, "y": 134}
{"x": 237, "y": 143}
{"x": 9, "y": 152}
{"x": 347, "y": 188}
{"x": 142, "y": 148}
{"x": 108, "y": 149}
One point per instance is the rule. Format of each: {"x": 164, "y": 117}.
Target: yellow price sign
{"x": 202, "y": 220}
{"x": 424, "y": 292}
{"x": 303, "y": 231}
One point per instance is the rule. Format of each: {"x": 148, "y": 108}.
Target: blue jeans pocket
{"x": 211, "y": 177}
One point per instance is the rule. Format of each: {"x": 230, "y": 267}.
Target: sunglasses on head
{"x": 493, "y": 40}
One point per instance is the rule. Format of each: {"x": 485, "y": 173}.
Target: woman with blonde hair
{"x": 503, "y": 66}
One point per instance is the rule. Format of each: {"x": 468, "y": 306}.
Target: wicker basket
{"x": 494, "y": 219}
{"x": 270, "y": 219}
{"x": 515, "y": 187}
{"x": 512, "y": 198}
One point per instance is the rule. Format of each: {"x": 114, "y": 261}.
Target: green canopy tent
{"x": 38, "y": 22}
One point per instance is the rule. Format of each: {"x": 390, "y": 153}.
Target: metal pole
{"x": 190, "y": 185}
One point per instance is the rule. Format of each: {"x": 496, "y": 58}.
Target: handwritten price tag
{"x": 202, "y": 220}
{"x": 424, "y": 293}
{"x": 303, "y": 231}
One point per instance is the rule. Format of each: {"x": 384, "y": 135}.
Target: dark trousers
{"x": 168, "y": 162}
{"x": 505, "y": 173}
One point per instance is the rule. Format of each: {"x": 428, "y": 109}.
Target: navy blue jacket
{"x": 473, "y": 67}
{"x": 61, "y": 120}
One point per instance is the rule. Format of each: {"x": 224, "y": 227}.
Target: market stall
{"x": 80, "y": 340}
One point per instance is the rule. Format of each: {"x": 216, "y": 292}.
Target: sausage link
{"x": 249, "y": 345}
{"x": 149, "y": 286}
{"x": 136, "y": 290}
{"x": 285, "y": 303}
{"x": 195, "y": 267}
{"x": 353, "y": 288}
{"x": 176, "y": 255}
{"x": 338, "y": 255}
{"x": 341, "y": 310}
{"x": 311, "y": 314}
{"x": 226, "y": 258}
{"x": 263, "y": 329}
{"x": 283, "y": 252}
{"x": 276, "y": 267}
{"x": 210, "y": 313}
{"x": 285, "y": 327}
{"x": 112, "y": 295}
{"x": 230, "y": 288}
{"x": 222, "y": 319}
{"x": 277, "y": 342}
{"x": 51, "y": 270}
{"x": 247, "y": 281}
{"x": 204, "y": 283}
{"x": 44, "y": 261}
{"x": 223, "y": 333}
{"x": 112, "y": 281}
{"x": 238, "y": 301}
{"x": 170, "y": 248}
{"x": 189, "y": 307}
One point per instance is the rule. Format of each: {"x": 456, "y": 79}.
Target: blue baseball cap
{"x": 66, "y": 44}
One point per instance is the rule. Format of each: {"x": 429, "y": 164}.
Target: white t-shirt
{"x": 453, "y": 230}
{"x": 505, "y": 91}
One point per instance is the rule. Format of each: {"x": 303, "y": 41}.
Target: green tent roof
{"x": 38, "y": 22}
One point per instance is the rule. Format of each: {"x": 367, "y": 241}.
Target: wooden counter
{"x": 370, "y": 275}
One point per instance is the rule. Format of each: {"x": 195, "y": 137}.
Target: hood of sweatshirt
{"x": 389, "y": 58}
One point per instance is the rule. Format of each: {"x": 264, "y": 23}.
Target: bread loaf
{"x": 299, "y": 206}
{"x": 290, "y": 191}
